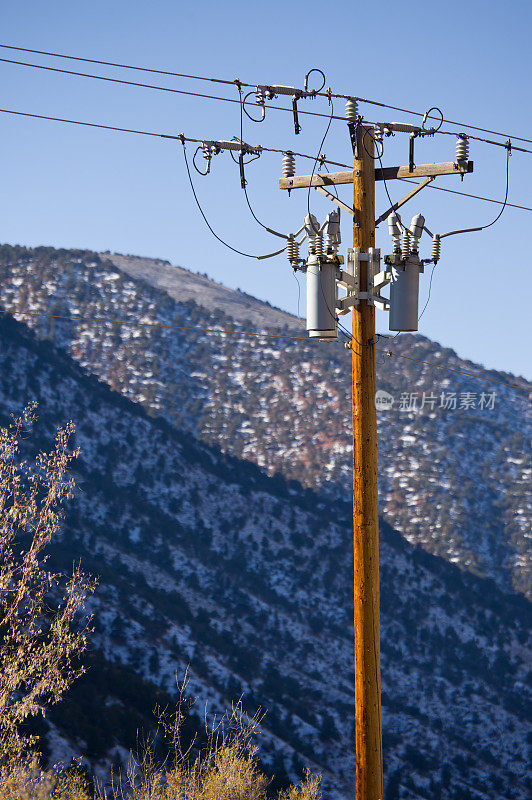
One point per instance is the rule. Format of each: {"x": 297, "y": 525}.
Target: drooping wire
{"x": 244, "y": 187}
{"x": 246, "y": 112}
{"x": 430, "y": 290}
{"x": 499, "y": 215}
{"x": 427, "y": 115}
{"x": 379, "y": 156}
{"x": 234, "y": 249}
{"x": 298, "y": 292}
{"x": 317, "y": 159}
{"x": 198, "y": 170}
{"x": 307, "y": 76}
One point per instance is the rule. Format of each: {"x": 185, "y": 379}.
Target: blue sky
{"x": 75, "y": 187}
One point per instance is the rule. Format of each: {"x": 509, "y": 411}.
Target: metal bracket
{"x": 297, "y": 126}
{"x": 382, "y": 279}
{"x": 411, "y": 152}
{"x": 353, "y": 134}
{"x": 350, "y": 280}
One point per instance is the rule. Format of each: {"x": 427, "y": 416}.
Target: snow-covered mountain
{"x": 454, "y": 451}
{"x": 206, "y": 560}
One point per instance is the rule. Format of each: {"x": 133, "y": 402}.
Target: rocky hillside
{"x": 454, "y": 458}
{"x": 205, "y": 560}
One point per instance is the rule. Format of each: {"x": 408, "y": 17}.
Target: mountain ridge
{"x": 183, "y": 285}
{"x": 206, "y": 561}
{"x": 454, "y": 481}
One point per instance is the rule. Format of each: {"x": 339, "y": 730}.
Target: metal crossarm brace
{"x": 351, "y": 280}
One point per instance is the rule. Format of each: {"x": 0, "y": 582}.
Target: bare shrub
{"x": 26, "y": 781}
{"x": 224, "y": 766}
{"x": 39, "y": 631}
{"x": 40, "y": 638}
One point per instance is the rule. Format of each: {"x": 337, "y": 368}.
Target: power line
{"x": 233, "y": 100}
{"x": 176, "y": 137}
{"x": 499, "y": 215}
{"x": 252, "y": 85}
{"x": 123, "y": 66}
{"x": 138, "y": 323}
{"x": 222, "y": 241}
{"x": 93, "y": 124}
{"x": 158, "y": 88}
{"x": 467, "y": 194}
{"x": 447, "y": 121}
{"x": 255, "y": 334}
{"x": 172, "y": 136}
{"x": 450, "y": 369}
{"x": 507, "y": 144}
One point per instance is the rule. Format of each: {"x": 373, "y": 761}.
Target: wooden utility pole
{"x": 369, "y": 772}
{"x": 369, "y": 780}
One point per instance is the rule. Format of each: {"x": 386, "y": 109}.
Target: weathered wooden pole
{"x": 369, "y": 781}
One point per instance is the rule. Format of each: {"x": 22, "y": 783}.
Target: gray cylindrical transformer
{"x": 321, "y": 299}
{"x": 404, "y": 297}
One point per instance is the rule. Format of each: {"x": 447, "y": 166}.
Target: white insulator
{"x": 292, "y": 251}
{"x": 405, "y": 252}
{"x": 462, "y": 147}
{"x": 289, "y": 164}
{"x": 316, "y": 244}
{"x": 436, "y": 248}
{"x": 351, "y": 110}
{"x": 259, "y": 94}
{"x": 331, "y": 247}
{"x": 333, "y": 236}
{"x": 416, "y": 228}
{"x": 394, "y": 228}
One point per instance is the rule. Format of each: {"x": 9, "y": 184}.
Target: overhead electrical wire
{"x": 176, "y": 137}
{"x": 317, "y": 158}
{"x": 172, "y": 136}
{"x": 138, "y": 323}
{"x": 233, "y": 100}
{"x": 158, "y": 88}
{"x": 499, "y": 215}
{"x": 222, "y": 241}
{"x": 244, "y": 182}
{"x": 430, "y": 291}
{"x": 254, "y": 334}
{"x": 122, "y": 66}
{"x": 266, "y": 105}
{"x": 252, "y": 85}
{"x": 467, "y": 194}
{"x": 450, "y": 369}
{"x": 508, "y": 145}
